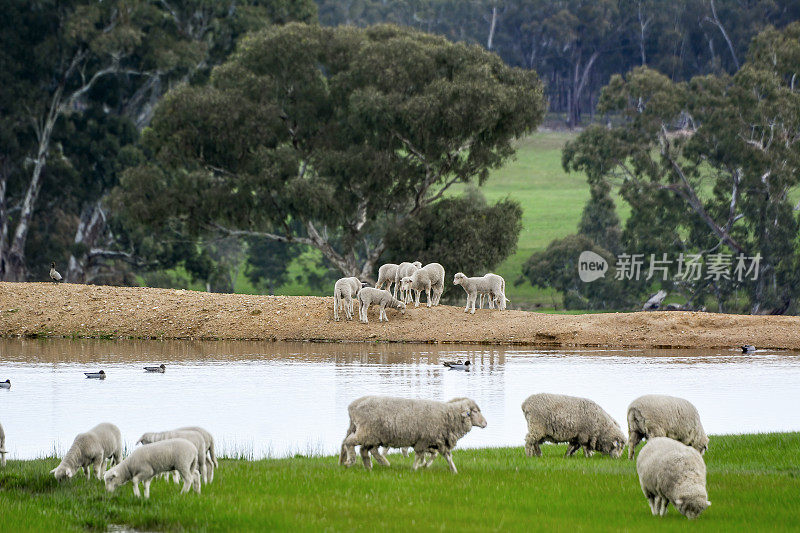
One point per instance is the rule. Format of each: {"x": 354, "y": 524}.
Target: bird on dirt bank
{"x": 54, "y": 275}
{"x": 748, "y": 348}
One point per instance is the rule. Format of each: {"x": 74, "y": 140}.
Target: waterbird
{"x": 5, "y": 384}
{"x": 748, "y": 348}
{"x": 96, "y": 375}
{"x": 458, "y": 365}
{"x": 160, "y": 368}
{"x": 54, "y": 275}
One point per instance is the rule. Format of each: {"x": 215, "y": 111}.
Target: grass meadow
{"x": 753, "y": 483}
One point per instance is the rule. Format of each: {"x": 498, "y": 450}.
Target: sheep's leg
{"x": 572, "y": 448}
{"x": 348, "y": 302}
{"x": 201, "y": 462}
{"x": 336, "y": 307}
{"x": 364, "y": 451}
{"x": 651, "y": 500}
{"x": 634, "y": 438}
{"x": 663, "y": 503}
{"x": 532, "y": 446}
{"x": 176, "y": 476}
{"x": 404, "y": 451}
{"x": 98, "y": 468}
{"x": 474, "y": 297}
{"x": 147, "y": 488}
{"x": 587, "y": 451}
{"x": 431, "y": 456}
{"x": 449, "y": 457}
{"x": 418, "y": 458}
{"x": 376, "y": 453}
{"x": 349, "y": 444}
{"x": 135, "y": 481}
{"x": 3, "y": 458}
{"x": 187, "y": 475}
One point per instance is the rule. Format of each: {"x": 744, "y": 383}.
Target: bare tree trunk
{"x": 719, "y": 25}
{"x": 90, "y": 228}
{"x": 642, "y": 28}
{"x": 578, "y": 85}
{"x": 3, "y": 215}
{"x": 492, "y": 27}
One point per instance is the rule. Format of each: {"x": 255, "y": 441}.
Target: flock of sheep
{"x": 410, "y": 280}
{"x": 670, "y": 466}
{"x": 187, "y": 452}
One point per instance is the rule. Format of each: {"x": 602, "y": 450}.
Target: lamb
{"x": 90, "y": 450}
{"x": 426, "y": 425}
{"x": 430, "y": 279}
{"x": 671, "y": 472}
{"x": 209, "y": 443}
{"x": 491, "y": 284}
{"x": 656, "y": 415}
{"x": 195, "y": 437}
{"x": 404, "y": 269}
{"x": 345, "y": 289}
{"x": 386, "y": 276}
{"x": 369, "y": 295}
{"x": 3, "y": 451}
{"x": 152, "y": 459}
{"x": 578, "y": 421}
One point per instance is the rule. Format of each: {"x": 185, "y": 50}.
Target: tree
{"x": 341, "y": 132}
{"x": 709, "y": 165}
{"x": 462, "y": 233}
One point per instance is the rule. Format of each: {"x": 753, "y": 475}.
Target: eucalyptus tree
{"x": 710, "y": 165}
{"x": 328, "y": 137}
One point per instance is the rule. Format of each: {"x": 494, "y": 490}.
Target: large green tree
{"x": 709, "y": 166}
{"x": 328, "y": 137}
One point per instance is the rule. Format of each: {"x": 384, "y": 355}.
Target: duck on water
{"x": 96, "y": 375}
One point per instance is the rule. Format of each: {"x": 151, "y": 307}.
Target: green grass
{"x": 753, "y": 483}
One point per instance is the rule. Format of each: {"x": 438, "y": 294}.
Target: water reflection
{"x": 277, "y": 399}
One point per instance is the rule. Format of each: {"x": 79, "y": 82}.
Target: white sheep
{"x": 491, "y": 284}
{"x": 195, "y": 437}
{"x": 345, "y": 290}
{"x": 386, "y": 276}
{"x": 657, "y": 415}
{"x": 427, "y": 426}
{"x": 209, "y": 442}
{"x": 671, "y": 472}
{"x": 3, "y": 451}
{"x": 429, "y": 279}
{"x": 369, "y": 296}
{"x": 152, "y": 459}
{"x": 404, "y": 269}
{"x": 578, "y": 421}
{"x": 90, "y": 450}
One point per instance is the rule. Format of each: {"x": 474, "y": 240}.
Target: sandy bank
{"x": 47, "y": 309}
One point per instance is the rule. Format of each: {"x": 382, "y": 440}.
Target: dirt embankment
{"x": 47, "y": 309}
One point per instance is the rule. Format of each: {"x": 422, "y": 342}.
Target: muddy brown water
{"x": 276, "y": 399}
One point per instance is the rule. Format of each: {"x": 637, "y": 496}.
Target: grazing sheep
{"x": 404, "y": 270}
{"x": 195, "y": 437}
{"x": 152, "y": 459}
{"x": 491, "y": 284}
{"x": 426, "y": 425}
{"x": 368, "y": 296}
{"x": 90, "y": 450}
{"x": 345, "y": 289}
{"x": 580, "y": 422}
{"x": 657, "y": 415}
{"x": 671, "y": 472}
{"x": 3, "y": 451}
{"x": 386, "y": 276}
{"x": 209, "y": 443}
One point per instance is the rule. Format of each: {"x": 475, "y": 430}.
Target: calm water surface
{"x": 278, "y": 399}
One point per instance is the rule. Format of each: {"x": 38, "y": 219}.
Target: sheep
{"x": 386, "y": 276}
{"x": 3, "y": 451}
{"x": 656, "y": 415}
{"x": 671, "y": 472}
{"x": 404, "y": 269}
{"x": 90, "y": 450}
{"x": 369, "y": 295}
{"x": 152, "y": 459}
{"x": 345, "y": 289}
{"x": 209, "y": 443}
{"x": 491, "y": 284}
{"x": 195, "y": 437}
{"x": 426, "y": 425}
{"x": 437, "y": 281}
{"x": 580, "y": 422}
{"x": 430, "y": 279}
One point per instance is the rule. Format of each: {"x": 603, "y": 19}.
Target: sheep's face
{"x": 458, "y": 278}
{"x": 402, "y": 307}
{"x": 62, "y": 472}
{"x": 613, "y": 446}
{"x": 473, "y": 413}
{"x": 147, "y": 438}
{"x": 417, "y": 264}
{"x": 405, "y": 283}
{"x": 691, "y": 507}
{"x": 112, "y": 479}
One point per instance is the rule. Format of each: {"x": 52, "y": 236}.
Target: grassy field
{"x": 753, "y": 483}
